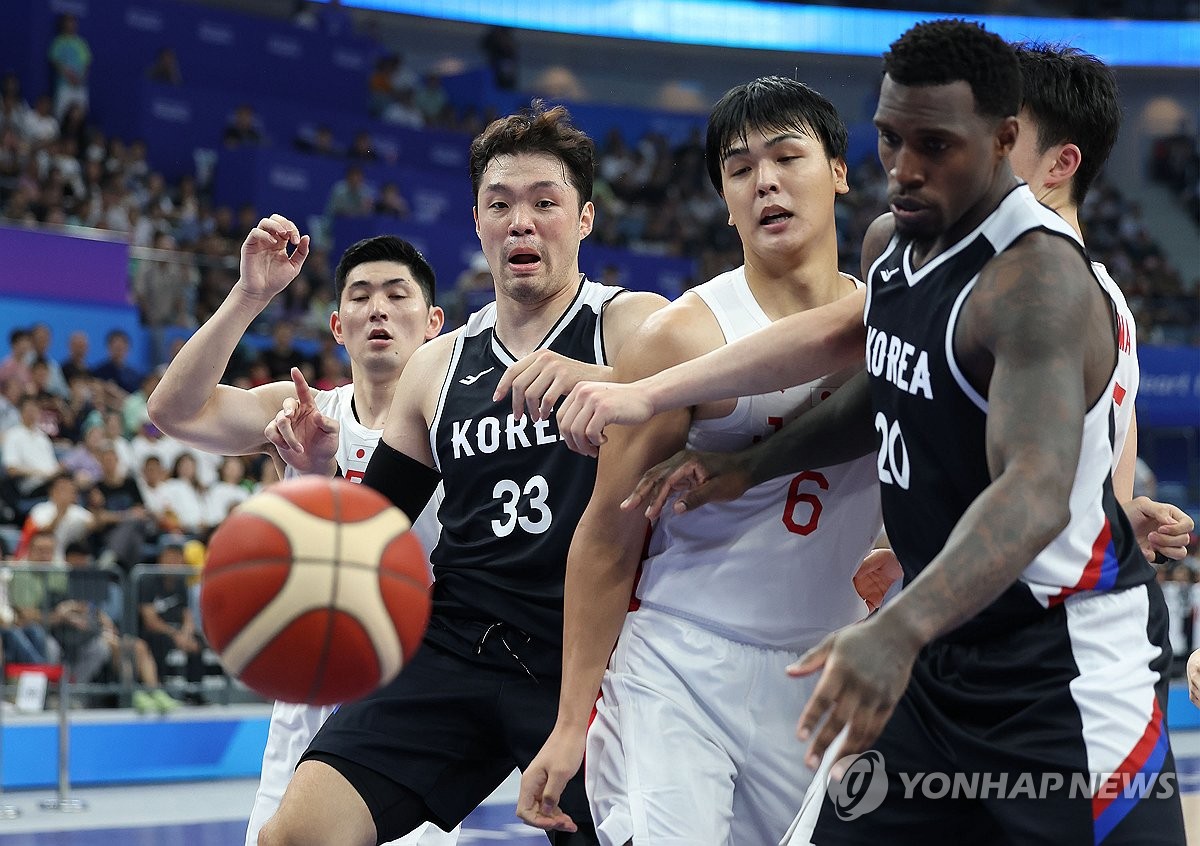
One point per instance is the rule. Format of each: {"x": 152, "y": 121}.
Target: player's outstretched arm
{"x": 838, "y": 430}
{"x": 539, "y": 380}
{"x": 790, "y": 351}
{"x": 189, "y": 403}
{"x": 1037, "y": 341}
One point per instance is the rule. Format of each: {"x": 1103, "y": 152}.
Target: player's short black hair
{"x": 1074, "y": 99}
{"x": 771, "y": 104}
{"x": 385, "y": 248}
{"x": 944, "y": 51}
{"x": 537, "y": 130}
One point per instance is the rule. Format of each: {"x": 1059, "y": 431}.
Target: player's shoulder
{"x": 682, "y": 330}
{"x": 432, "y": 355}
{"x": 876, "y": 238}
{"x": 625, "y": 314}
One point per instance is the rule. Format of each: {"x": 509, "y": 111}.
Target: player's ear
{"x": 335, "y": 326}
{"x": 1066, "y": 163}
{"x": 437, "y": 319}
{"x": 475, "y": 217}
{"x": 1006, "y": 135}
{"x": 587, "y": 217}
{"x": 840, "y": 184}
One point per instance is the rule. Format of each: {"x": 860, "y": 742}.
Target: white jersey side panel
{"x": 775, "y": 567}
{"x": 1125, "y": 385}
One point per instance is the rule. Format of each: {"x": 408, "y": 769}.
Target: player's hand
{"x": 875, "y": 576}
{"x": 1193, "y": 677}
{"x": 266, "y": 267}
{"x": 304, "y": 437}
{"x": 541, "y": 379}
{"x": 698, "y": 478}
{"x": 543, "y": 781}
{"x": 593, "y": 405}
{"x": 1159, "y": 527}
{"x": 867, "y": 667}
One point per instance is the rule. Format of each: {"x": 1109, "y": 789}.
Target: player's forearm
{"x": 192, "y": 377}
{"x": 1123, "y": 473}
{"x": 1006, "y": 527}
{"x": 790, "y": 351}
{"x": 599, "y": 584}
{"x": 838, "y": 430}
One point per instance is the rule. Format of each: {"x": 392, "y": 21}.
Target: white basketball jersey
{"x": 1126, "y": 378}
{"x": 355, "y": 447}
{"x": 774, "y": 567}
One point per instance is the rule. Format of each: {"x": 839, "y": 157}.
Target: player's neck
{"x": 783, "y": 288}
{"x": 521, "y": 326}
{"x": 373, "y": 398}
{"x": 1059, "y": 199}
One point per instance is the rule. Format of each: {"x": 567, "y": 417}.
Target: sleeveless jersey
{"x": 514, "y": 492}
{"x": 932, "y": 460}
{"x": 1128, "y": 376}
{"x": 775, "y": 567}
{"x": 355, "y": 447}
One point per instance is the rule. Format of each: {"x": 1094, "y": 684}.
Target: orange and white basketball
{"x": 315, "y": 591}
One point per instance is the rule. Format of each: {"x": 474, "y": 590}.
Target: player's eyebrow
{"x": 771, "y": 142}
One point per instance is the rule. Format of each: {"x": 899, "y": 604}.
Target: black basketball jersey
{"x": 932, "y": 458}
{"x": 514, "y": 491}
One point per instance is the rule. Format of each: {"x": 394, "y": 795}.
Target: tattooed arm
{"x": 1036, "y": 339}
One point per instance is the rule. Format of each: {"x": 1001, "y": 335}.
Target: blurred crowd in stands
{"x": 85, "y": 477}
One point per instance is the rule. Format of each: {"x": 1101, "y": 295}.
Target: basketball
{"x": 315, "y": 591}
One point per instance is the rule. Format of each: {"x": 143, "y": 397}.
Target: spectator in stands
{"x": 166, "y": 620}
{"x": 318, "y": 142}
{"x": 28, "y": 455}
{"x": 42, "y": 337}
{"x": 350, "y": 196}
{"x": 402, "y": 110}
{"x": 71, "y": 58}
{"x": 390, "y": 202}
{"x": 41, "y": 126}
{"x": 114, "y": 429}
{"x": 165, "y": 69}
{"x": 431, "y": 99}
{"x": 283, "y": 353}
{"x": 116, "y": 368}
{"x": 100, "y": 605}
{"x": 164, "y": 291}
{"x": 184, "y": 495}
{"x": 82, "y": 461}
{"x": 28, "y": 593}
{"x": 20, "y": 356}
{"x": 243, "y": 129}
{"x": 362, "y": 149}
{"x": 499, "y": 46}
{"x": 62, "y": 515}
{"x": 11, "y": 391}
{"x": 229, "y": 491}
{"x": 57, "y": 419}
{"x": 122, "y": 524}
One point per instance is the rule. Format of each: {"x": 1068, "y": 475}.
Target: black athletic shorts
{"x": 450, "y": 728}
{"x": 1052, "y": 733}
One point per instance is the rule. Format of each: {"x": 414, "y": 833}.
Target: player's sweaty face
{"x": 383, "y": 313}
{"x": 938, "y": 152}
{"x": 529, "y": 223}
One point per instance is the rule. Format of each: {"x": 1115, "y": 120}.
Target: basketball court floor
{"x": 213, "y": 813}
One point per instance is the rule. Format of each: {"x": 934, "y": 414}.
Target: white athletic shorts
{"x": 694, "y": 739}
{"x": 805, "y": 823}
{"x": 292, "y": 728}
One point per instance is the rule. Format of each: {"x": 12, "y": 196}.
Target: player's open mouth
{"x": 379, "y": 335}
{"x": 774, "y": 214}
{"x": 525, "y": 258}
